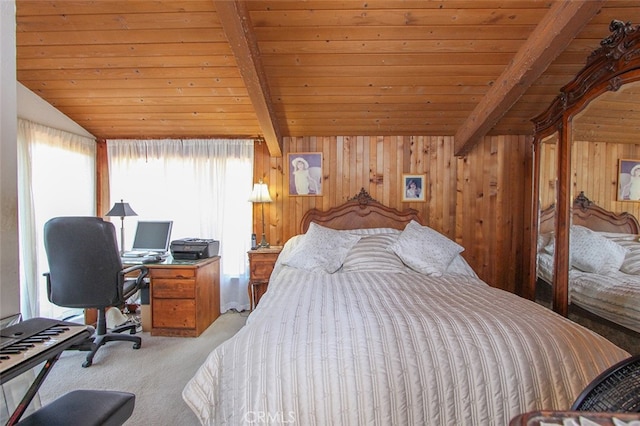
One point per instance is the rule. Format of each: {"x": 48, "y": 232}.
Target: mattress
{"x": 389, "y": 347}
{"x": 614, "y": 296}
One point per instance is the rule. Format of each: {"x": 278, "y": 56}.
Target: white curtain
{"x": 56, "y": 177}
{"x": 203, "y": 186}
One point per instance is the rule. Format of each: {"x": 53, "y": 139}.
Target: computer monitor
{"x": 153, "y": 235}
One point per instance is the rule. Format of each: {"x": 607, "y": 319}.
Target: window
{"x": 56, "y": 177}
{"x": 203, "y": 186}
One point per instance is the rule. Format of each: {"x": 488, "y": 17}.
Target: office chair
{"x": 85, "y": 271}
{"x": 616, "y": 389}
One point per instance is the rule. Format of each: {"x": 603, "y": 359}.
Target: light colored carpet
{"x": 156, "y": 373}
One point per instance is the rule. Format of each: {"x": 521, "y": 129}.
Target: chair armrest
{"x": 139, "y": 280}
{"x": 47, "y": 275}
{"x": 144, "y": 270}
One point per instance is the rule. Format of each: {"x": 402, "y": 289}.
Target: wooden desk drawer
{"x": 173, "y": 289}
{"x": 175, "y": 273}
{"x": 174, "y": 313}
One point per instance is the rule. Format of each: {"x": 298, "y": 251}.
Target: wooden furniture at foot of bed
{"x": 537, "y": 418}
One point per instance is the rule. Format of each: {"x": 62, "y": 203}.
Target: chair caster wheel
{"x": 136, "y": 345}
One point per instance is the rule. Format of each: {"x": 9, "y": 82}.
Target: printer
{"x": 194, "y": 248}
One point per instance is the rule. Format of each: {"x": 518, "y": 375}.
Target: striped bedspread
{"x": 394, "y": 349}
{"x": 615, "y": 296}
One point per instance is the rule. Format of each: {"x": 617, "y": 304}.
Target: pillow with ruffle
{"x": 321, "y": 248}
{"x": 461, "y": 267}
{"x": 425, "y": 250}
{"x": 591, "y": 252}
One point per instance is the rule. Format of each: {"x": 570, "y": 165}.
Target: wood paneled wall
{"x": 594, "y": 170}
{"x": 594, "y": 167}
{"x": 481, "y": 201}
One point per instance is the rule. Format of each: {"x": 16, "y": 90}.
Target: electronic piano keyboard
{"x": 28, "y": 343}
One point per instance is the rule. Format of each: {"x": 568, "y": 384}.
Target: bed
{"x": 365, "y": 339}
{"x": 604, "y": 276}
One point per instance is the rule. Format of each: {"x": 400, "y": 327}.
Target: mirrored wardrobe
{"x": 585, "y": 211}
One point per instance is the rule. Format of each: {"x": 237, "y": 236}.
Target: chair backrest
{"x": 617, "y": 389}
{"x": 84, "y": 262}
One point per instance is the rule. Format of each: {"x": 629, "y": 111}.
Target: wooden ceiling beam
{"x": 552, "y": 35}
{"x": 236, "y": 23}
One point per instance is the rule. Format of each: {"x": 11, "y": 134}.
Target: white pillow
{"x": 289, "y": 247}
{"x": 618, "y": 236}
{"x": 321, "y": 248}
{"x": 631, "y": 263}
{"x": 594, "y": 253}
{"x": 372, "y": 253}
{"x": 372, "y": 231}
{"x": 460, "y": 266}
{"x": 544, "y": 240}
{"x": 425, "y": 250}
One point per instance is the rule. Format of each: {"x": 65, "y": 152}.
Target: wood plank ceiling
{"x": 270, "y": 69}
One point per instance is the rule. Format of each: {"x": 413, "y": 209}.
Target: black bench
{"x": 84, "y": 408}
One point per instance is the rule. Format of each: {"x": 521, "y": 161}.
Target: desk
{"x": 184, "y": 296}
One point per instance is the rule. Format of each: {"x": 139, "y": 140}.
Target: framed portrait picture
{"x": 629, "y": 180}
{"x": 305, "y": 173}
{"x": 413, "y": 188}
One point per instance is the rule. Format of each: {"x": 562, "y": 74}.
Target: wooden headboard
{"x": 360, "y": 212}
{"x": 589, "y": 215}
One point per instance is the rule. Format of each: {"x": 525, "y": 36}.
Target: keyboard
{"x": 137, "y": 253}
{"x": 28, "y": 343}
{"x": 25, "y": 345}
{"x": 148, "y": 258}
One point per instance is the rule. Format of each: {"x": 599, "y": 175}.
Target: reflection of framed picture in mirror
{"x": 305, "y": 173}
{"x": 413, "y": 188}
{"x": 629, "y": 180}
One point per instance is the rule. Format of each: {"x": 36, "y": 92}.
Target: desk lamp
{"x": 121, "y": 209}
{"x": 260, "y": 194}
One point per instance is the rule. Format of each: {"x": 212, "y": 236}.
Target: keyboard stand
{"x": 33, "y": 390}
{"x": 90, "y": 407}
{"x": 51, "y": 355}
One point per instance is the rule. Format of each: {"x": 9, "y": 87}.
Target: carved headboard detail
{"x": 586, "y": 213}
{"x": 363, "y": 198}
{"x": 360, "y": 211}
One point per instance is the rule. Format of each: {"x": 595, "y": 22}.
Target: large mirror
{"x": 547, "y": 179}
{"x": 611, "y": 118}
{"x": 586, "y": 146}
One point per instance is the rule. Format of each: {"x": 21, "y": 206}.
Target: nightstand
{"x": 261, "y": 263}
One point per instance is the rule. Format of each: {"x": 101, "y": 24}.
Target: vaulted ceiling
{"x": 270, "y": 69}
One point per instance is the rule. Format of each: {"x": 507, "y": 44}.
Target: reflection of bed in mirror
{"x": 604, "y": 277}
